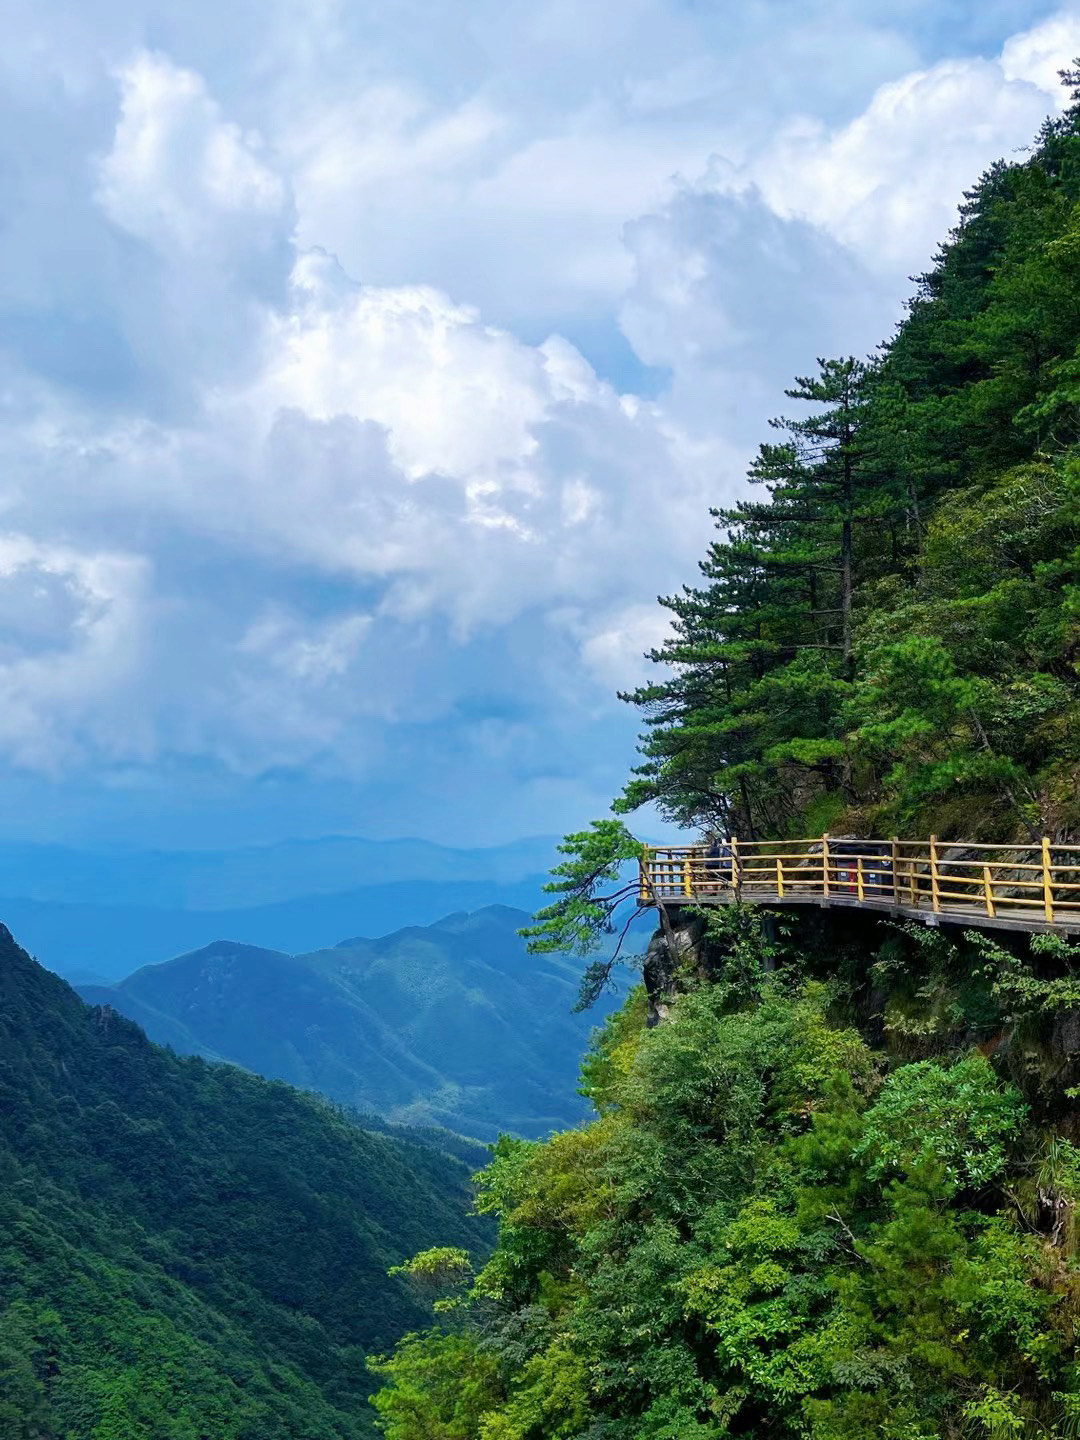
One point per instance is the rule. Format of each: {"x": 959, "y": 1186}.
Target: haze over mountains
{"x": 215, "y": 879}
{"x": 238, "y": 955}
{"x": 98, "y": 915}
{"x": 450, "y": 1024}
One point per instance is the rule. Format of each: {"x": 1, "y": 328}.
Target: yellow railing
{"x": 1031, "y": 886}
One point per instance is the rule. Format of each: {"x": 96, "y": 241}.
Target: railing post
{"x": 1048, "y": 882}
{"x": 859, "y": 879}
{"x": 895, "y": 869}
{"x": 988, "y": 892}
{"x": 779, "y": 877}
{"x": 736, "y": 866}
{"x": 825, "y": 866}
{"x": 687, "y": 876}
{"x": 935, "y": 879}
{"x": 643, "y": 876}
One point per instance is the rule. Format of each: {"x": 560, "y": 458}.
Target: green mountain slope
{"x": 162, "y": 1029}
{"x": 452, "y": 1024}
{"x": 187, "y": 1250}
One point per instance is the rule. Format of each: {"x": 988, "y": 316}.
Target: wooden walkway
{"x": 954, "y": 882}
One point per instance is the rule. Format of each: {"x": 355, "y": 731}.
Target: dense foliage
{"x": 770, "y": 1230}
{"x": 187, "y": 1251}
{"x": 833, "y": 1194}
{"x": 888, "y": 642}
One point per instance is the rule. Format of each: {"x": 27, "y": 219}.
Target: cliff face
{"x": 673, "y": 954}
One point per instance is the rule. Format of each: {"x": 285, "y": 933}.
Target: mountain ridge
{"x": 114, "y": 940}
{"x": 250, "y": 876}
{"x": 451, "y": 1023}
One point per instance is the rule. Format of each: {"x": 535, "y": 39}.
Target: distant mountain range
{"x": 107, "y": 942}
{"x": 93, "y": 915}
{"x": 258, "y": 875}
{"x": 452, "y": 1024}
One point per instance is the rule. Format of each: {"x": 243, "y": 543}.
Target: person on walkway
{"x": 718, "y": 863}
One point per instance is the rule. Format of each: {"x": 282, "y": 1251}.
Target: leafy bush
{"x": 958, "y": 1115}
{"x": 757, "y": 1237}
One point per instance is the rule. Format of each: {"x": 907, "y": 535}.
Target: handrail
{"x": 1034, "y": 886}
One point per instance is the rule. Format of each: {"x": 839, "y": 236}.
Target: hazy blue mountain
{"x": 452, "y": 1023}
{"x": 112, "y": 940}
{"x": 256, "y": 876}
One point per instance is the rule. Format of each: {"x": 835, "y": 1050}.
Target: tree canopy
{"x": 775, "y": 1228}
{"x": 888, "y": 641}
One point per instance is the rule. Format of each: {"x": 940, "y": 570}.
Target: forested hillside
{"x": 187, "y": 1251}
{"x": 833, "y": 1194}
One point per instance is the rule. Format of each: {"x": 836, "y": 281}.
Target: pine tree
{"x": 763, "y": 654}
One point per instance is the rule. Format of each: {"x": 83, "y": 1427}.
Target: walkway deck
{"x": 957, "y": 882}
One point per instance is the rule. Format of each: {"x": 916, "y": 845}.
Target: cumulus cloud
{"x": 374, "y": 512}
{"x": 615, "y": 649}
{"x": 1040, "y": 54}
{"x": 802, "y": 247}
{"x": 735, "y": 299}
{"x": 180, "y": 176}
{"x": 433, "y": 469}
{"x": 72, "y": 640}
{"x": 887, "y": 183}
{"x": 572, "y": 122}
{"x": 391, "y": 436}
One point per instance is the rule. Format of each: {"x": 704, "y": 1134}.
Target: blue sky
{"x": 367, "y": 370}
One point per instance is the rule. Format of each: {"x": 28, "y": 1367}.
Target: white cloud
{"x": 1040, "y": 54}
{"x": 312, "y": 655}
{"x": 179, "y": 175}
{"x": 887, "y": 183}
{"x": 72, "y": 644}
{"x": 574, "y": 119}
{"x": 391, "y": 436}
{"x": 280, "y": 518}
{"x": 383, "y": 136}
{"x": 456, "y": 396}
{"x": 615, "y": 652}
{"x": 736, "y": 300}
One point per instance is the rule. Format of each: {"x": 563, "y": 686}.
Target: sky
{"x": 367, "y": 370}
